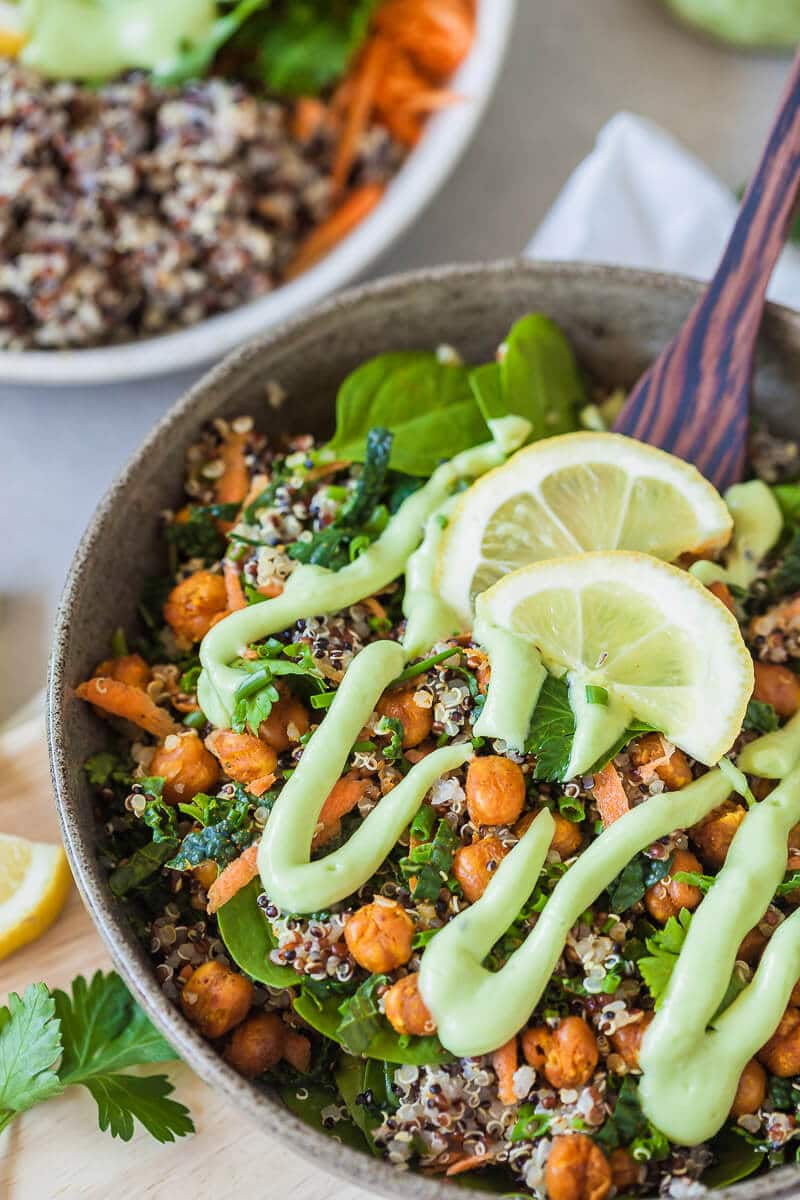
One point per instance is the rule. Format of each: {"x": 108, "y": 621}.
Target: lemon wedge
{"x": 34, "y": 884}
{"x": 647, "y": 634}
{"x": 565, "y": 495}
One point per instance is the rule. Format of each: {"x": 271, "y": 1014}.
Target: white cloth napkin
{"x": 641, "y": 200}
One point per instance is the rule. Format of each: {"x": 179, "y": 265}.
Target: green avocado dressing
{"x": 313, "y": 590}
{"x": 428, "y": 617}
{"x": 690, "y": 1069}
{"x": 299, "y": 886}
{"x": 757, "y": 525}
{"x": 477, "y": 1010}
{"x": 98, "y": 39}
{"x": 516, "y": 680}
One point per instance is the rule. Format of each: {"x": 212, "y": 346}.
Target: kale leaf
{"x": 222, "y": 841}
{"x": 633, "y": 881}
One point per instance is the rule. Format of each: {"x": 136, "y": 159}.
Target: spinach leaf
{"x": 361, "y": 1017}
{"x": 141, "y": 865}
{"x": 788, "y": 497}
{"x": 427, "y": 405}
{"x": 324, "y": 1016}
{"x": 308, "y": 44}
{"x": 540, "y": 377}
{"x": 628, "y": 1126}
{"x": 194, "y": 61}
{"x": 350, "y": 1077}
{"x": 735, "y": 1159}
{"x": 633, "y": 881}
{"x": 309, "y": 1102}
{"x": 486, "y": 382}
{"x": 331, "y": 546}
{"x": 761, "y": 717}
{"x": 248, "y": 938}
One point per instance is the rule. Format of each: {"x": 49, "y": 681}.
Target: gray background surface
{"x": 572, "y": 65}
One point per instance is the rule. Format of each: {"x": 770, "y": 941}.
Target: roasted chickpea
{"x": 751, "y": 1090}
{"x": 401, "y": 706}
{"x": 751, "y": 946}
{"x": 257, "y": 1044}
{"x": 777, "y": 686}
{"x": 781, "y": 1054}
{"x": 567, "y": 1054}
{"x": 627, "y": 1040}
{"x": 193, "y": 604}
{"x": 243, "y": 757}
{"x": 495, "y": 790}
{"x": 714, "y": 834}
{"x": 675, "y": 772}
{"x": 216, "y": 999}
{"x": 286, "y": 723}
{"x": 576, "y": 1169}
{"x": 474, "y": 865}
{"x": 186, "y": 766}
{"x": 666, "y": 898}
{"x": 297, "y": 1051}
{"x": 405, "y": 1009}
{"x": 567, "y": 837}
{"x": 379, "y": 936}
{"x": 794, "y": 999}
{"x": 128, "y": 668}
{"x": 626, "y": 1172}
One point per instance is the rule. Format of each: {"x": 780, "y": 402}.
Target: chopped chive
{"x": 596, "y": 695}
{"x": 254, "y": 683}
{"x": 323, "y": 699}
{"x": 421, "y": 667}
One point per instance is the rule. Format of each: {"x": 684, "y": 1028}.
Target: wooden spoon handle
{"x": 694, "y": 400}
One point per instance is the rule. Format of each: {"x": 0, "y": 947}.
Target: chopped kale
{"x": 633, "y": 881}
{"x": 430, "y": 862}
{"x": 221, "y": 842}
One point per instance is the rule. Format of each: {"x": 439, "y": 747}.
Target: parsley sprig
{"x": 50, "y": 1041}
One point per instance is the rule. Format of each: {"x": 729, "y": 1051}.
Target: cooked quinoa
{"x": 441, "y": 1114}
{"x": 128, "y": 210}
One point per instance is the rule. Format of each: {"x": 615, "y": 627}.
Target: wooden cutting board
{"x": 56, "y": 1150}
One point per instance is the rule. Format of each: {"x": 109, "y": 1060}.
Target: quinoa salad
{"x": 149, "y": 185}
{"x": 222, "y": 790}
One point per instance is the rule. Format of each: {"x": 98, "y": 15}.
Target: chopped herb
{"x": 361, "y": 1017}
{"x": 431, "y": 860}
{"x": 394, "y": 728}
{"x": 552, "y": 730}
{"x": 530, "y": 1124}
{"x": 665, "y": 945}
{"x": 791, "y": 882}
{"x": 761, "y": 717}
{"x": 322, "y": 699}
{"x": 596, "y": 695}
{"x": 419, "y": 668}
{"x": 633, "y": 881}
{"x": 694, "y": 879}
{"x": 222, "y": 841}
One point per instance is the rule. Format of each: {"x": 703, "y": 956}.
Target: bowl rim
{"x": 424, "y": 172}
{"x": 259, "y": 1105}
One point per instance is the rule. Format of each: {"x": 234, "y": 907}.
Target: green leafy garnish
{"x": 143, "y": 863}
{"x": 324, "y": 1015}
{"x": 664, "y": 946}
{"x": 427, "y": 405}
{"x": 361, "y": 1016}
{"x": 630, "y": 1127}
{"x": 530, "y": 1124}
{"x": 735, "y": 1158}
{"x": 222, "y": 841}
{"x": 308, "y": 44}
{"x": 540, "y": 377}
{"x": 791, "y": 882}
{"x": 248, "y": 938}
{"x": 552, "y": 730}
{"x": 419, "y": 668}
{"x": 596, "y": 695}
{"x": 695, "y": 879}
{"x": 106, "y": 768}
{"x": 761, "y": 717}
{"x": 633, "y": 881}
{"x": 52, "y": 1041}
{"x": 199, "y": 535}
{"x": 331, "y": 547}
{"x": 194, "y": 61}
{"x": 431, "y": 861}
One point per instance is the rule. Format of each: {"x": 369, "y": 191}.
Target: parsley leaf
{"x": 552, "y": 729}
{"x": 633, "y": 881}
{"x": 29, "y": 1047}
{"x": 95, "y": 1032}
{"x": 307, "y": 46}
{"x": 665, "y": 945}
{"x": 761, "y": 717}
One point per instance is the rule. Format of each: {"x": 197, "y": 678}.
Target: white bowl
{"x": 426, "y": 169}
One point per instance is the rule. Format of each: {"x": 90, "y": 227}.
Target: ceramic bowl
{"x": 446, "y": 137}
{"x": 617, "y": 320}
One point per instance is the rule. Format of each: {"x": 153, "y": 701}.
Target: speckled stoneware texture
{"x": 617, "y": 321}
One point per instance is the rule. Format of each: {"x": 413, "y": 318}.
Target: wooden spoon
{"x": 694, "y": 400}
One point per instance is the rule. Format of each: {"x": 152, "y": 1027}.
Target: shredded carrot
{"x": 438, "y": 34}
{"x": 234, "y": 482}
{"x": 471, "y": 1163}
{"x": 375, "y": 607}
{"x": 235, "y": 876}
{"x": 342, "y": 799}
{"x": 271, "y": 590}
{"x": 124, "y": 700}
{"x": 233, "y": 586}
{"x": 309, "y": 118}
{"x": 322, "y": 240}
{"x": 366, "y": 79}
{"x": 610, "y": 795}
{"x": 504, "y": 1064}
{"x": 723, "y": 593}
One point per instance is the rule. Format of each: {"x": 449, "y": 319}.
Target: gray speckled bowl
{"x": 617, "y": 320}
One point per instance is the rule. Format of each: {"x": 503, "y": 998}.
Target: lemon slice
{"x": 658, "y": 641}
{"x": 34, "y": 884}
{"x": 568, "y": 494}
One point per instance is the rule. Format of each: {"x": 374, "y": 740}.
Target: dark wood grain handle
{"x": 694, "y": 400}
